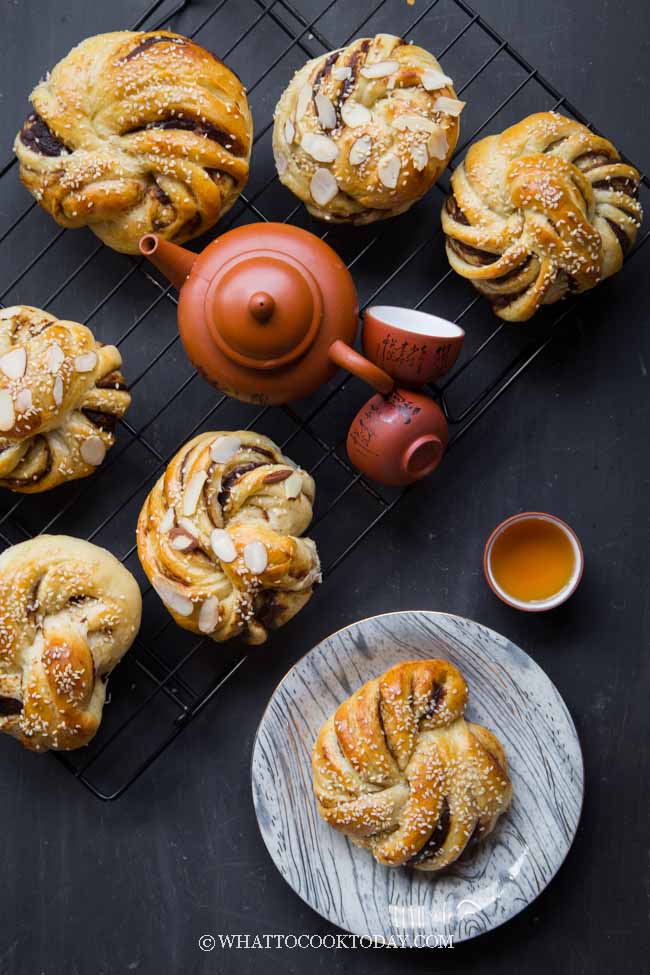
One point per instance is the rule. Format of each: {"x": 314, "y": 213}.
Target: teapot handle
{"x": 348, "y": 358}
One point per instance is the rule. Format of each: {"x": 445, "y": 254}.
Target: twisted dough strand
{"x": 399, "y": 770}
{"x": 544, "y": 209}
{"x": 68, "y": 612}
{"x": 61, "y": 395}
{"x": 218, "y": 537}
{"x": 137, "y": 132}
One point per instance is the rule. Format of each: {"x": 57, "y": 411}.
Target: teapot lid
{"x": 260, "y": 309}
{"x": 263, "y": 308}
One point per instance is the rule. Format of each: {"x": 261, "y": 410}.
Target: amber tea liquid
{"x": 532, "y": 559}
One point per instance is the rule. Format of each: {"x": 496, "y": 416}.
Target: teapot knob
{"x": 261, "y": 306}
{"x": 270, "y": 327}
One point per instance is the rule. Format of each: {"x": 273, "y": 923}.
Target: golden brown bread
{"x": 69, "y": 611}
{"x": 363, "y": 132}
{"x": 137, "y": 132}
{"x": 217, "y": 537}
{"x": 399, "y": 770}
{"x": 542, "y": 210}
{"x": 61, "y": 395}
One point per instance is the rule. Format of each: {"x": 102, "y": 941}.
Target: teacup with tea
{"x": 533, "y": 561}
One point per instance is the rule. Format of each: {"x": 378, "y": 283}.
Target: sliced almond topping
{"x": 342, "y": 74}
{"x": 223, "y": 545}
{"x": 289, "y": 131}
{"x": 276, "y": 476}
{"x": 323, "y": 187}
{"x": 302, "y": 103}
{"x": 415, "y": 123}
{"x": 173, "y": 599}
{"x": 54, "y": 357}
{"x": 450, "y": 106}
{"x": 167, "y": 521}
{"x": 181, "y": 540}
{"x": 256, "y": 557}
{"x": 209, "y": 615}
{"x": 326, "y": 111}
{"x": 433, "y": 79}
{"x": 319, "y": 147}
{"x": 360, "y": 150}
{"x": 57, "y": 390}
{"x": 293, "y": 485}
{"x": 380, "y": 69}
{"x": 437, "y": 146}
{"x": 281, "y": 163}
{"x": 189, "y": 526}
{"x": 86, "y": 362}
{"x": 420, "y": 157}
{"x": 24, "y": 400}
{"x": 224, "y": 448}
{"x": 388, "y": 170}
{"x": 193, "y": 492}
{"x": 354, "y": 114}
{"x": 7, "y": 411}
{"x": 93, "y": 451}
{"x": 14, "y": 363}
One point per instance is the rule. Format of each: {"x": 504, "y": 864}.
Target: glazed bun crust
{"x": 363, "y": 132}
{"x": 399, "y": 770}
{"x": 61, "y": 396}
{"x": 543, "y": 210}
{"x": 219, "y": 537}
{"x": 134, "y": 133}
{"x": 69, "y": 611}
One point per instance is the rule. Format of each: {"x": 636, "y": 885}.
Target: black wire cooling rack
{"x": 169, "y": 676}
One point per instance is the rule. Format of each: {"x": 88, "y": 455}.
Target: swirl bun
{"x": 217, "y": 537}
{"x": 399, "y": 770}
{"x": 69, "y": 611}
{"x": 135, "y": 133}
{"x": 363, "y": 132}
{"x": 542, "y": 210}
{"x": 61, "y": 395}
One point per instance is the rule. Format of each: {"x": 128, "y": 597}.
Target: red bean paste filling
{"x": 233, "y": 476}
{"x": 9, "y": 706}
{"x": 103, "y": 421}
{"x": 148, "y": 42}
{"x": 231, "y": 479}
{"x": 186, "y": 123}
{"x": 473, "y": 255}
{"x": 437, "y": 839}
{"x": 356, "y": 62}
{"x": 37, "y": 136}
{"x": 31, "y": 478}
{"x": 270, "y": 609}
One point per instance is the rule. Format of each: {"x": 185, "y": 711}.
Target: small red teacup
{"x": 398, "y": 438}
{"x": 411, "y": 346}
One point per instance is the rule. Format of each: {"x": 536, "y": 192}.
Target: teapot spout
{"x": 175, "y": 262}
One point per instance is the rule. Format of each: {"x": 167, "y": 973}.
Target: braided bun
{"x": 544, "y": 209}
{"x": 134, "y": 133}
{"x": 363, "y": 132}
{"x": 61, "y": 395}
{"x": 399, "y": 770}
{"x": 217, "y": 537}
{"x": 69, "y": 611}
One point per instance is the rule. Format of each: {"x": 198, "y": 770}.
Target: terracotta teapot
{"x": 266, "y": 312}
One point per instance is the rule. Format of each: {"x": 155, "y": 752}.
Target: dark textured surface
{"x": 130, "y": 886}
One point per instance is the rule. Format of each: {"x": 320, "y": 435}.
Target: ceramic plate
{"x": 509, "y": 694}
